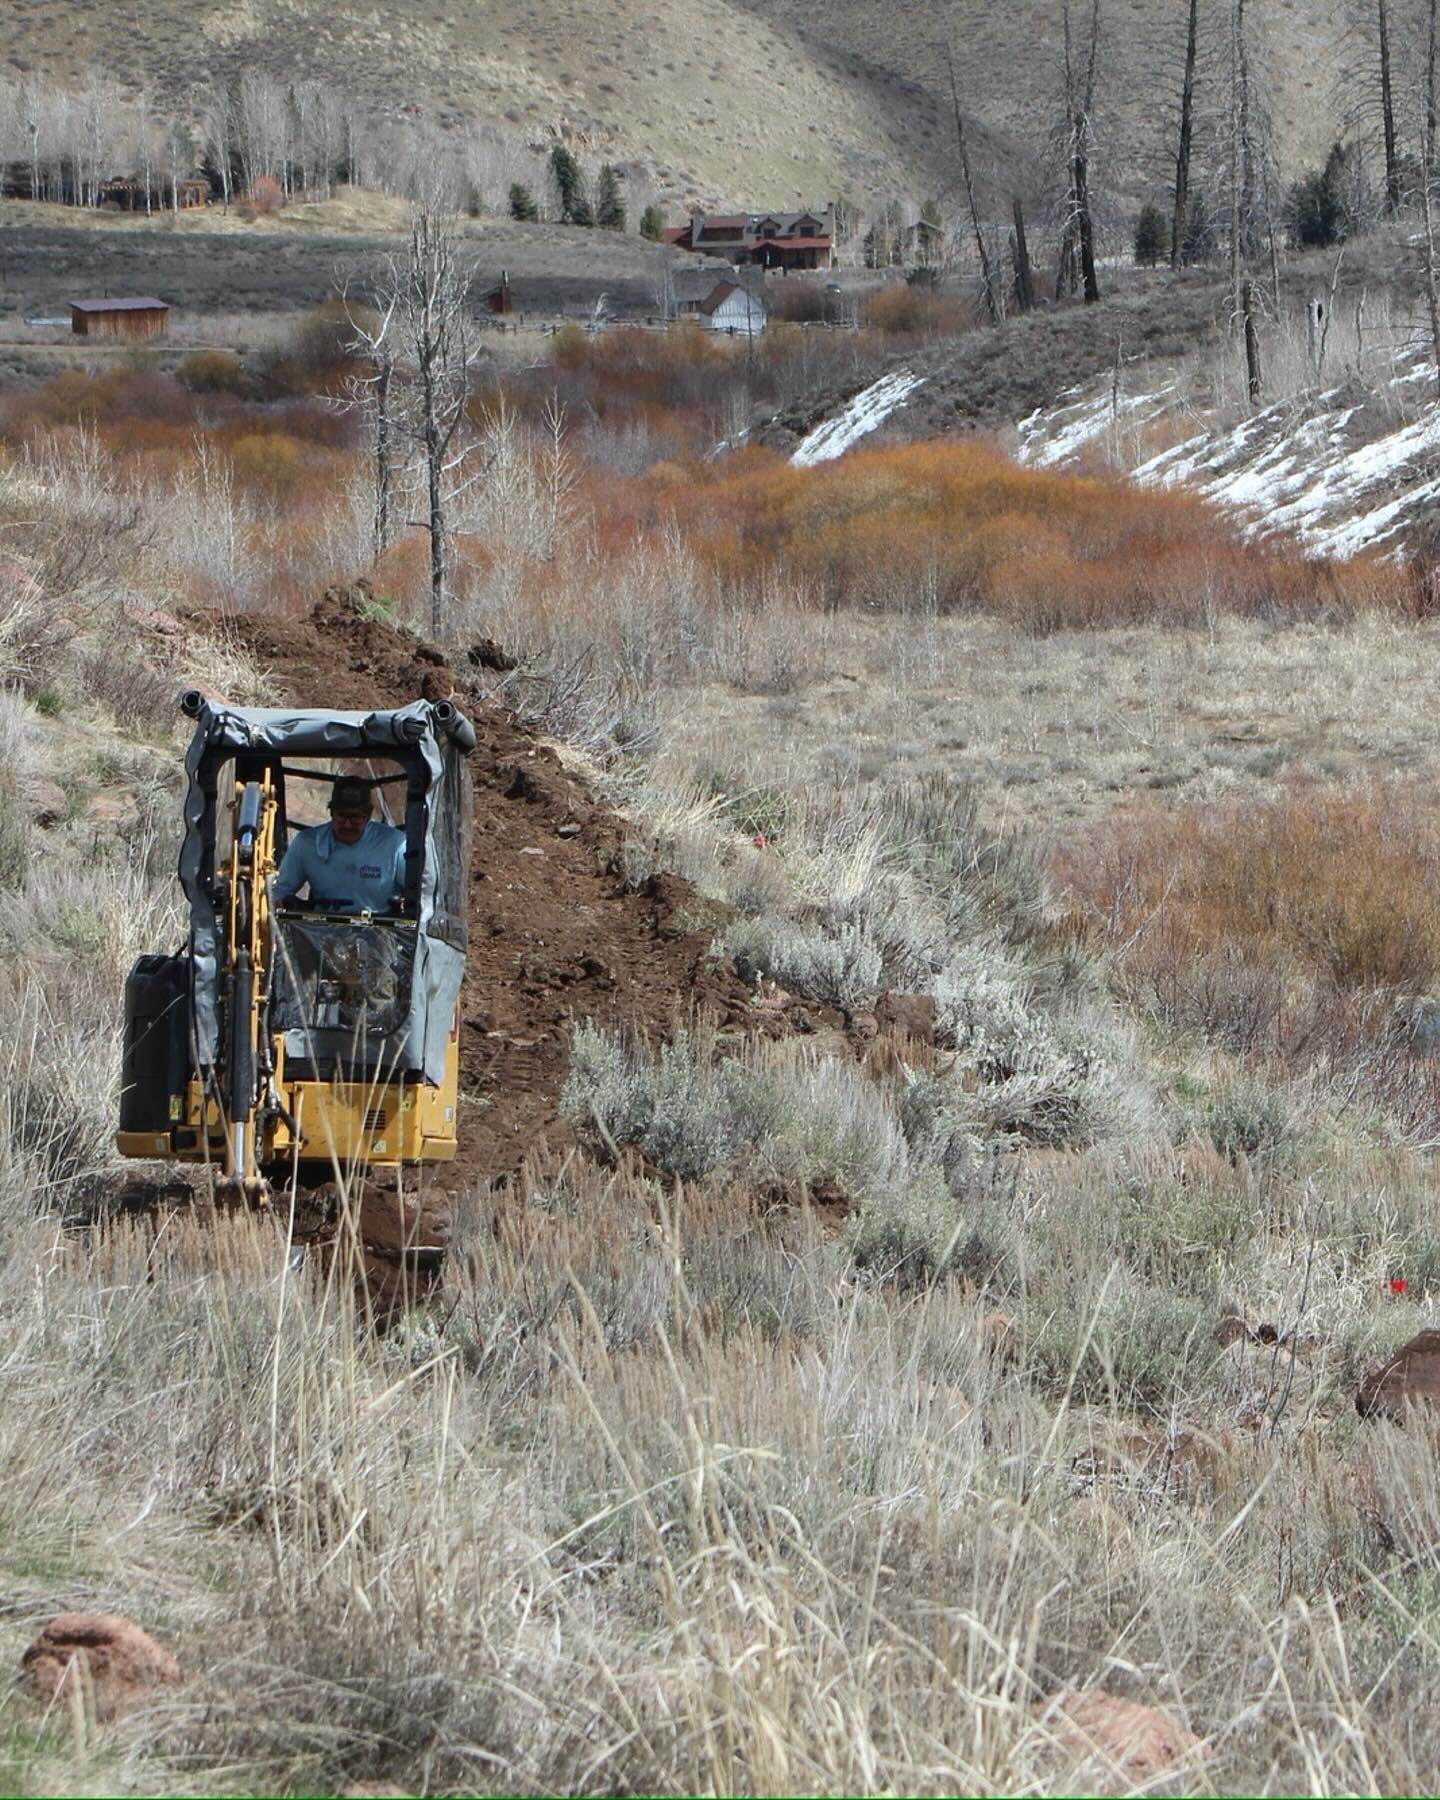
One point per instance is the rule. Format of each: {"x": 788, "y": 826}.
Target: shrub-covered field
{"x": 986, "y": 1330}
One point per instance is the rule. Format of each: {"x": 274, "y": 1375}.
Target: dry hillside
{"x": 780, "y": 100}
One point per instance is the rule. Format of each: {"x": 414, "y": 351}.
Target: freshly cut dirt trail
{"x": 555, "y": 935}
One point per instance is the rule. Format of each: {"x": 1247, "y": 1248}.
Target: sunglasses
{"x": 345, "y": 812}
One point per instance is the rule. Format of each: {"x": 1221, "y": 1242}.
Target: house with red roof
{"x": 776, "y": 240}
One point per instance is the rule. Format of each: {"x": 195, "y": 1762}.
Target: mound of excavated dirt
{"x": 1411, "y": 1378}
{"x": 116, "y": 1663}
{"x": 555, "y": 935}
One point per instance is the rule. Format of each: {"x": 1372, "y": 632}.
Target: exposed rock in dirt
{"x": 47, "y": 803}
{"x": 154, "y": 619}
{"x": 487, "y": 654}
{"x": 1410, "y": 1378}
{"x": 117, "y": 1664}
{"x": 914, "y": 1015}
{"x": 1418, "y": 1018}
{"x": 1127, "y": 1740}
{"x": 1189, "y": 1466}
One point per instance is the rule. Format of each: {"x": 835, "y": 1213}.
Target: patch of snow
{"x": 1048, "y": 438}
{"x": 869, "y": 409}
{"x": 1293, "y": 466}
{"x": 1367, "y": 531}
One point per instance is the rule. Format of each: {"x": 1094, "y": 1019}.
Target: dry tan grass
{"x": 1057, "y": 733}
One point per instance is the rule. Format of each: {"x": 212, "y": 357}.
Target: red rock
{"x": 118, "y": 1664}
{"x": 1139, "y": 1743}
{"x": 912, "y": 1014}
{"x": 1190, "y": 1465}
{"x": 154, "y": 618}
{"x": 1001, "y": 1338}
{"x": 1410, "y": 1378}
{"x": 206, "y": 692}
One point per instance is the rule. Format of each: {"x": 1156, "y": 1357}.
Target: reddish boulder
{"x": 914, "y": 1015}
{"x": 1139, "y": 1743}
{"x": 1410, "y": 1378}
{"x": 117, "y": 1664}
{"x": 1000, "y": 1337}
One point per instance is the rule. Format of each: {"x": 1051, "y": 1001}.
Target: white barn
{"x": 723, "y": 305}
{"x": 735, "y": 309}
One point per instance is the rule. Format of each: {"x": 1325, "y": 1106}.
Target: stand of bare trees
{"x": 61, "y": 144}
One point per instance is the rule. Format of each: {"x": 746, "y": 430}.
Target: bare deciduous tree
{"x": 425, "y": 293}
{"x": 373, "y": 338}
{"x": 992, "y": 299}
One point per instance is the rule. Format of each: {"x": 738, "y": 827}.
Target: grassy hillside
{"x": 773, "y": 101}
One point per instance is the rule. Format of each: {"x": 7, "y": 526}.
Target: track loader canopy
{"x": 359, "y": 994}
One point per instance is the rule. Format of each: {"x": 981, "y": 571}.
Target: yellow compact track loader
{"x": 293, "y": 1034}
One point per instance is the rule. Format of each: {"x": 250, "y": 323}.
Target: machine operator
{"x": 355, "y": 863}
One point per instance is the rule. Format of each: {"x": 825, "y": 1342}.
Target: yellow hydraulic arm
{"x": 246, "y": 1073}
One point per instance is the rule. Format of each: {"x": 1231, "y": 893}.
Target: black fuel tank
{"x": 156, "y": 1063}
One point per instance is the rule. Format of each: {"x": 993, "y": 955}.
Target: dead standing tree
{"x": 1387, "y": 109}
{"x": 426, "y": 291}
{"x": 1242, "y": 200}
{"x": 1427, "y": 180}
{"x": 373, "y": 339}
{"x": 992, "y": 298}
{"x": 1180, "y": 214}
{"x": 1077, "y": 238}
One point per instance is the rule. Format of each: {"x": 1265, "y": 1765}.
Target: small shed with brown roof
{"x": 134, "y": 315}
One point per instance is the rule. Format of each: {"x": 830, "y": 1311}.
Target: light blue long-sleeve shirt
{"x": 366, "y": 876}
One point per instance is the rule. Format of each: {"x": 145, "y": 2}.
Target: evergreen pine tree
{"x": 609, "y": 206}
{"x": 1152, "y": 236}
{"x": 522, "y": 202}
{"x": 652, "y": 224}
{"x": 581, "y": 211}
{"x": 1319, "y": 202}
{"x": 566, "y": 180}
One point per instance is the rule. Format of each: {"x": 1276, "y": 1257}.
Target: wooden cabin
{"x": 136, "y": 315}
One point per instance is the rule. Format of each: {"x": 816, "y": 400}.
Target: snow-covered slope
{"x": 1085, "y": 418}
{"x": 1342, "y": 469}
{"x": 870, "y": 408}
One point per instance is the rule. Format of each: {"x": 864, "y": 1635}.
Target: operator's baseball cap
{"x": 350, "y": 795}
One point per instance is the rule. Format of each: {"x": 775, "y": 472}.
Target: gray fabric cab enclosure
{"x": 377, "y": 992}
